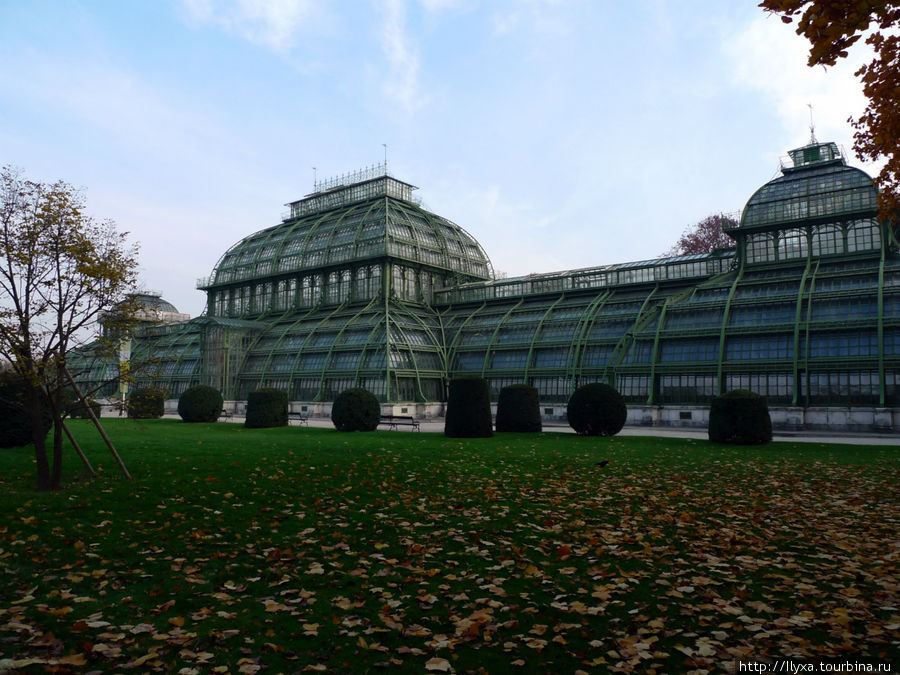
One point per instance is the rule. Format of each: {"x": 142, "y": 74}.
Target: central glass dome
{"x": 352, "y": 224}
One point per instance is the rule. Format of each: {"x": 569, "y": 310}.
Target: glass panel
{"x": 843, "y": 387}
{"x": 827, "y": 240}
{"x": 842, "y": 345}
{"x": 634, "y": 388}
{"x": 468, "y": 361}
{"x": 509, "y": 360}
{"x": 551, "y": 358}
{"x": 776, "y": 387}
{"x": 759, "y": 347}
{"x": 691, "y": 388}
{"x": 689, "y": 350}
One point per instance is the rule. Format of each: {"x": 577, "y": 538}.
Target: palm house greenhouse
{"x": 360, "y": 286}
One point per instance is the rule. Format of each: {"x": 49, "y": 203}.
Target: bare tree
{"x": 60, "y": 271}
{"x": 705, "y": 236}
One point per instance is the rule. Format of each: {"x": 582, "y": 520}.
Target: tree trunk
{"x": 56, "y": 476}
{"x": 39, "y": 438}
{"x": 56, "y": 409}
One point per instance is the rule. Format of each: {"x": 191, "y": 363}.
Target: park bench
{"x": 300, "y": 418}
{"x": 394, "y": 421}
{"x": 225, "y": 415}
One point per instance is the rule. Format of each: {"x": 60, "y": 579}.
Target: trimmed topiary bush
{"x": 468, "y": 409}
{"x": 518, "y": 409}
{"x": 78, "y": 410}
{"x": 266, "y": 408}
{"x": 200, "y": 403}
{"x": 597, "y": 409}
{"x": 356, "y": 410}
{"x": 15, "y": 423}
{"x": 146, "y": 403}
{"x": 740, "y": 417}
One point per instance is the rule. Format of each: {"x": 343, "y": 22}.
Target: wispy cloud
{"x": 771, "y": 59}
{"x": 275, "y": 24}
{"x": 402, "y": 54}
{"x": 436, "y": 6}
{"x": 543, "y": 17}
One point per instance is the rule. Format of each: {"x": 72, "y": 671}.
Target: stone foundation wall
{"x": 784, "y": 418}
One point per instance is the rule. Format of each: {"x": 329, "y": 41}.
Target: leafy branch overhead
{"x": 832, "y": 28}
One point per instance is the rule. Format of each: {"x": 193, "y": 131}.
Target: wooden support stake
{"x": 78, "y": 448}
{"x": 97, "y": 424}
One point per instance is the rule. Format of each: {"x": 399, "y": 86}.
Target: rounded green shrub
{"x": 518, "y": 409}
{"x": 356, "y": 410}
{"x": 15, "y": 423}
{"x": 740, "y": 417}
{"x": 468, "y": 409}
{"x": 597, "y": 409}
{"x": 146, "y": 403}
{"x": 200, "y": 403}
{"x": 78, "y": 410}
{"x": 266, "y": 407}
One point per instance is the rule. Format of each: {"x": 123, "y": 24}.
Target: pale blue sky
{"x": 560, "y": 133}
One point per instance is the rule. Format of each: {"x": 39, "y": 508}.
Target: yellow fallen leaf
{"x": 72, "y": 660}
{"x": 442, "y": 665}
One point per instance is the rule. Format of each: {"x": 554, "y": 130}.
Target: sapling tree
{"x": 60, "y": 271}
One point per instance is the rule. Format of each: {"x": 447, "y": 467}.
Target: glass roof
{"x": 353, "y": 225}
{"x": 676, "y": 268}
{"x": 818, "y": 187}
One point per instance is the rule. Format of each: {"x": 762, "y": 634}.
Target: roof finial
{"x": 384, "y": 145}
{"x": 315, "y": 180}
{"x": 812, "y": 127}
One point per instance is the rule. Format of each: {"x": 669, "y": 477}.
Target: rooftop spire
{"x": 812, "y": 126}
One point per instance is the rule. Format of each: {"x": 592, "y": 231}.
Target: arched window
{"x": 863, "y": 235}
{"x": 792, "y": 244}
{"x": 760, "y": 248}
{"x": 827, "y": 240}
{"x": 332, "y": 287}
{"x": 361, "y": 284}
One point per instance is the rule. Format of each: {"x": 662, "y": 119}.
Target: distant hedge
{"x": 15, "y": 423}
{"x": 79, "y": 409}
{"x": 740, "y": 417}
{"x": 200, "y": 403}
{"x": 266, "y": 408}
{"x": 518, "y": 409}
{"x": 356, "y": 409}
{"x": 145, "y": 403}
{"x": 468, "y": 409}
{"x": 597, "y": 409}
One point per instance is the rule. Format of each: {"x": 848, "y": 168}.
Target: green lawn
{"x": 306, "y": 549}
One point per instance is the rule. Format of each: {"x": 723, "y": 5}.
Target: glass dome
{"x": 817, "y": 186}
{"x": 348, "y": 225}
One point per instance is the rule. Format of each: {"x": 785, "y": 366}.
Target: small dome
{"x": 153, "y": 302}
{"x": 149, "y": 308}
